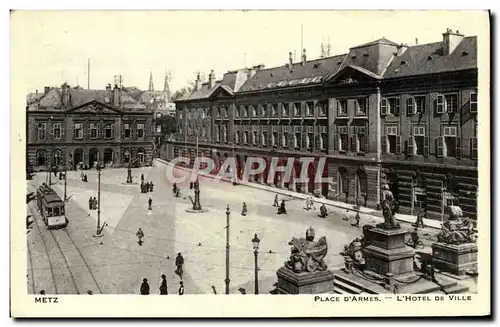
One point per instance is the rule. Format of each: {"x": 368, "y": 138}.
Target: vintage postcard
{"x": 250, "y": 163}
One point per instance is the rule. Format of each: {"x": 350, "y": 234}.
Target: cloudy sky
{"x": 53, "y": 47}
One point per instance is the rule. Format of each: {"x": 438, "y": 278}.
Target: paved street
{"x": 119, "y": 264}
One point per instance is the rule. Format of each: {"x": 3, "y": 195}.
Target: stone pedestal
{"x": 455, "y": 259}
{"x": 386, "y": 251}
{"x": 317, "y": 282}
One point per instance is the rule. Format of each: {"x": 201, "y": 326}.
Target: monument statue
{"x": 456, "y": 229}
{"x": 306, "y": 254}
{"x": 388, "y": 205}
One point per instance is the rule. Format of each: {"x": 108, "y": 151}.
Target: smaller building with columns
{"x": 75, "y": 128}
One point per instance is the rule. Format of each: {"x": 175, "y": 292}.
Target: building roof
{"x": 311, "y": 72}
{"x": 379, "y": 41}
{"x": 130, "y": 99}
{"x": 429, "y": 59}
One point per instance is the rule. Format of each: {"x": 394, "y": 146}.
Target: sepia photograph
{"x": 319, "y": 159}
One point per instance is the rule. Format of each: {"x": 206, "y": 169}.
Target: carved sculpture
{"x": 353, "y": 251}
{"x": 306, "y": 254}
{"x": 388, "y": 206}
{"x": 456, "y": 229}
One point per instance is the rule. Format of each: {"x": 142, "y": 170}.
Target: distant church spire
{"x": 151, "y": 86}
{"x": 166, "y": 88}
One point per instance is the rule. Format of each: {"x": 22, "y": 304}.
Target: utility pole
{"x": 65, "y": 179}
{"x": 227, "y": 280}
{"x": 98, "y": 232}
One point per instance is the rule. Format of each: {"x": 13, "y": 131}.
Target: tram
{"x": 51, "y": 207}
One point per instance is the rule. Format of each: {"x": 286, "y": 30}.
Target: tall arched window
{"x": 40, "y": 158}
{"x": 57, "y": 157}
{"x": 342, "y": 182}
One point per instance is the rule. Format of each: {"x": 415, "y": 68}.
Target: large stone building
{"x": 383, "y": 113}
{"x": 75, "y": 127}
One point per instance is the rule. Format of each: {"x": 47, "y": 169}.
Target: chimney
{"x": 65, "y": 95}
{"x": 290, "y": 61}
{"x": 197, "y": 84}
{"x": 451, "y": 41}
{"x": 416, "y": 40}
{"x": 304, "y": 57}
{"x": 211, "y": 79}
{"x": 108, "y": 87}
{"x": 401, "y": 49}
{"x": 46, "y": 90}
{"x": 116, "y": 96}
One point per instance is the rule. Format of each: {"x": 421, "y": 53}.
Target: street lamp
{"x": 255, "y": 242}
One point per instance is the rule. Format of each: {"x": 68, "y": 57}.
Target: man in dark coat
{"x": 91, "y": 202}
{"x": 179, "y": 262}
{"x": 163, "y": 286}
{"x": 151, "y": 186}
{"x": 142, "y": 178}
{"x": 150, "y": 202}
{"x": 145, "y": 287}
{"x": 174, "y": 188}
{"x": 282, "y": 209}
{"x": 95, "y": 203}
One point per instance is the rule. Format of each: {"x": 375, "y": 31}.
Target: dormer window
{"x": 403, "y": 62}
{"x": 353, "y": 57}
{"x": 429, "y": 58}
{"x": 465, "y": 53}
{"x": 315, "y": 65}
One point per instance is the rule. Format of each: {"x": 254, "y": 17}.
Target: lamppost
{"x": 98, "y": 232}
{"x": 52, "y": 154}
{"x": 227, "y": 280}
{"x": 255, "y": 242}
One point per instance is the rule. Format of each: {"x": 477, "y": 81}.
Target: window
{"x": 217, "y": 133}
{"x": 342, "y": 107}
{"x": 322, "y": 107}
{"x": 415, "y": 105}
{"x": 245, "y": 137}
{"x": 254, "y": 111}
{"x": 237, "y": 137}
{"x": 40, "y": 158}
{"x": 418, "y": 144}
{"x": 79, "y": 131}
{"x": 224, "y": 111}
{"x": 322, "y": 138}
{"x": 342, "y": 138}
{"x": 254, "y": 137}
{"x": 473, "y": 148}
{"x": 361, "y": 106}
{"x": 203, "y": 113}
{"x": 41, "y": 131}
{"x": 216, "y": 112}
{"x": 296, "y": 138}
{"x": 108, "y": 131}
{"x": 310, "y": 108}
{"x": 285, "y": 109}
{"x": 391, "y": 143}
{"x": 224, "y": 133}
{"x": 56, "y": 130}
{"x": 473, "y": 102}
{"x": 272, "y": 108}
{"x": 140, "y": 131}
{"x": 451, "y": 103}
{"x": 126, "y": 129}
{"x": 284, "y": 142}
{"x": 389, "y": 106}
{"x": 263, "y": 111}
{"x": 93, "y": 131}
{"x": 263, "y": 139}
{"x": 296, "y": 109}
{"x": 449, "y": 144}
{"x": 360, "y": 139}
{"x": 274, "y": 138}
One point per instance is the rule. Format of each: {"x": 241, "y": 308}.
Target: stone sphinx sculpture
{"x": 306, "y": 254}
{"x": 456, "y": 229}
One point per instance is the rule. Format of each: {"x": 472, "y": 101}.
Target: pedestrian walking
{"x": 91, "y": 203}
{"x": 144, "y": 287}
{"x": 181, "y": 288}
{"x": 311, "y": 202}
{"x": 85, "y": 178}
{"x": 282, "y": 209}
{"x": 150, "y": 202}
{"x": 356, "y": 220}
{"x": 82, "y": 175}
{"x": 346, "y": 216}
{"x": 95, "y": 203}
{"x": 420, "y": 219}
{"x": 163, "y": 286}
{"x": 179, "y": 262}
{"x": 323, "y": 211}
{"x": 142, "y": 178}
{"x": 244, "y": 209}
{"x": 151, "y": 186}
{"x": 276, "y": 203}
{"x": 174, "y": 188}
{"x": 140, "y": 236}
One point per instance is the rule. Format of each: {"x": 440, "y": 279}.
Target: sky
{"x": 54, "y": 47}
